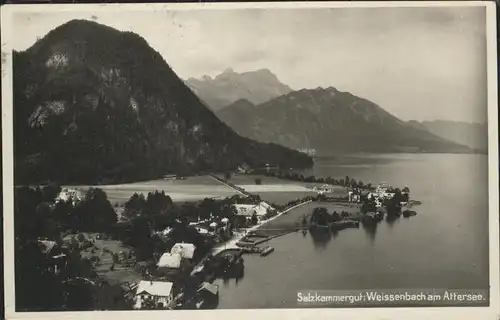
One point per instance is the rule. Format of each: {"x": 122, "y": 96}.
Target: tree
{"x": 95, "y": 213}
{"x": 320, "y": 216}
{"x": 46, "y": 226}
{"x": 135, "y": 205}
{"x": 80, "y": 237}
{"x": 336, "y": 216}
{"x": 163, "y": 220}
{"x": 206, "y": 207}
{"x": 26, "y": 201}
{"x": 138, "y": 235}
{"x": 64, "y": 215}
{"x": 353, "y": 183}
{"x": 158, "y": 202}
{"x": 258, "y": 181}
{"x": 228, "y": 211}
{"x": 368, "y": 205}
{"x": 255, "y": 220}
{"x": 50, "y": 192}
{"x": 227, "y": 175}
{"x": 32, "y": 278}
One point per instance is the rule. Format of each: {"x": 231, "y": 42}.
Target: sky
{"x": 417, "y": 63}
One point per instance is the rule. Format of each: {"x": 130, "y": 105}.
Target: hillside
{"x": 331, "y": 122}
{"x": 255, "y": 86}
{"x": 96, "y": 105}
{"x": 473, "y": 135}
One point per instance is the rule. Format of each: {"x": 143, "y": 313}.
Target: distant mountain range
{"x": 96, "y": 105}
{"x": 331, "y": 122}
{"x": 473, "y": 135}
{"x": 255, "y": 86}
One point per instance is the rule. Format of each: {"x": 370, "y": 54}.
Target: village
{"x": 182, "y": 276}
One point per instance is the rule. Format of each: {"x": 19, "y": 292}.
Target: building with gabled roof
{"x": 186, "y": 250}
{"x": 169, "y": 263}
{"x": 153, "y": 294}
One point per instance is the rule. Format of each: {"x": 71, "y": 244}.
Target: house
{"x": 354, "y": 197}
{"x": 382, "y": 188}
{"x": 69, "y": 194}
{"x": 170, "y": 177}
{"x": 208, "y": 294}
{"x": 244, "y": 168}
{"x": 244, "y": 209}
{"x": 249, "y": 210}
{"x": 46, "y": 246}
{"x": 55, "y": 252}
{"x": 202, "y": 230}
{"x": 186, "y": 250}
{"x": 153, "y": 294}
{"x": 169, "y": 263}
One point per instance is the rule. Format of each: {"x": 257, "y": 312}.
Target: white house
{"x": 382, "y": 188}
{"x": 69, "y": 194}
{"x": 186, "y": 250}
{"x": 250, "y": 209}
{"x": 353, "y": 197}
{"x": 159, "y": 293}
{"x": 169, "y": 263}
{"x": 202, "y": 230}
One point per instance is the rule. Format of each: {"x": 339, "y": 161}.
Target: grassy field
{"x": 272, "y": 189}
{"x": 191, "y": 189}
{"x": 121, "y": 273}
{"x": 282, "y": 198}
{"x": 249, "y": 179}
{"x": 280, "y": 191}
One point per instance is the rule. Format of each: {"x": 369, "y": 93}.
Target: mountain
{"x": 255, "y": 86}
{"x": 331, "y": 122}
{"x": 473, "y": 135}
{"x": 96, "y": 105}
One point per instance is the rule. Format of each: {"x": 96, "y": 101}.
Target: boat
{"x": 266, "y": 251}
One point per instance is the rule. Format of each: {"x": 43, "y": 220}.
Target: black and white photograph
{"x": 302, "y": 159}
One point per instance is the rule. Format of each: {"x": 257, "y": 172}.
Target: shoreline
{"x": 235, "y": 239}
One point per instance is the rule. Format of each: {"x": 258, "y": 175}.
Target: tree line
{"x": 347, "y": 181}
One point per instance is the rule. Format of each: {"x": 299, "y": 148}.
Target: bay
{"x": 444, "y": 246}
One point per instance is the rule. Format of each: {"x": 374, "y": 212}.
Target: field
{"x": 121, "y": 272}
{"x": 279, "y": 191}
{"x": 272, "y": 189}
{"x": 191, "y": 189}
{"x": 249, "y": 179}
{"x": 282, "y": 198}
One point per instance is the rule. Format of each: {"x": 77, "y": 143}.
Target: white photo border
{"x": 488, "y": 313}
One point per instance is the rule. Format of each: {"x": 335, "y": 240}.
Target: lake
{"x": 444, "y": 246}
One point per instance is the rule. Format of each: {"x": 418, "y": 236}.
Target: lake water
{"x": 444, "y": 246}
